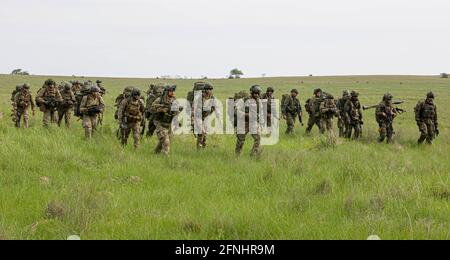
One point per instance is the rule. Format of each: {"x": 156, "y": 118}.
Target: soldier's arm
{"x": 101, "y": 105}
{"x": 58, "y": 96}
{"x": 16, "y": 101}
{"x": 40, "y": 96}
{"x": 83, "y": 105}
{"x": 33, "y": 105}
{"x": 122, "y": 109}
{"x": 157, "y": 107}
{"x": 436, "y": 124}
{"x": 72, "y": 97}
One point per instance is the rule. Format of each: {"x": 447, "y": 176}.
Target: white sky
{"x": 145, "y": 38}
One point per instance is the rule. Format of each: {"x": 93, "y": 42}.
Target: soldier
{"x": 22, "y": 102}
{"x": 47, "y": 100}
{"x": 76, "y": 87}
{"x": 164, "y": 110}
{"x": 353, "y": 116}
{"x": 66, "y": 106}
{"x": 202, "y": 113}
{"x": 313, "y": 108}
{"x": 328, "y": 110}
{"x": 342, "y": 125}
{"x": 125, "y": 95}
{"x": 100, "y": 86}
{"x": 252, "y": 104}
{"x": 268, "y": 99}
{"x": 91, "y": 106}
{"x": 385, "y": 115}
{"x": 131, "y": 114}
{"x": 154, "y": 92}
{"x": 291, "y": 108}
{"x": 427, "y": 119}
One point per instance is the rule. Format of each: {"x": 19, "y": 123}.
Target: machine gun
{"x": 375, "y": 106}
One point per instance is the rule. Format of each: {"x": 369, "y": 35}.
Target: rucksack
{"x": 232, "y": 115}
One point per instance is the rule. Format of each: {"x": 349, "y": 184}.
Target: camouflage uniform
{"x": 385, "y": 115}
{"x": 48, "y": 99}
{"x": 163, "y": 117}
{"x": 340, "y": 105}
{"x": 15, "y": 91}
{"x": 245, "y": 112}
{"x": 291, "y": 108}
{"x": 91, "y": 106}
{"x": 313, "y": 108}
{"x": 100, "y": 86}
{"x": 353, "y": 116}
{"x": 76, "y": 87}
{"x": 131, "y": 115}
{"x": 203, "y": 114}
{"x": 268, "y": 100}
{"x": 65, "y": 109}
{"x": 154, "y": 92}
{"x": 22, "y": 102}
{"x": 327, "y": 111}
{"x": 427, "y": 119}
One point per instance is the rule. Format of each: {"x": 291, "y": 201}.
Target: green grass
{"x": 301, "y": 188}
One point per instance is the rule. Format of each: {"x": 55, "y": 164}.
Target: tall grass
{"x": 54, "y": 184}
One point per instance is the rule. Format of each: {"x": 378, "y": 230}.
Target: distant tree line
{"x": 444, "y": 75}
{"x": 20, "y": 72}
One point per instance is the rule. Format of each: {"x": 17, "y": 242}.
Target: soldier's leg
{"x": 311, "y": 123}
{"x": 290, "y": 121}
{"x": 240, "y": 143}
{"x": 87, "y": 125}
{"x": 390, "y": 133}
{"x": 47, "y": 117}
{"x": 126, "y": 134}
{"x": 68, "y": 117}
{"x": 25, "y": 118}
{"x": 431, "y": 132}
{"x": 383, "y": 132}
{"x": 94, "y": 120}
{"x": 256, "y": 145}
{"x": 357, "y": 128}
{"x": 423, "y": 133}
{"x": 136, "y": 134}
{"x": 341, "y": 128}
{"x": 18, "y": 119}
{"x": 166, "y": 142}
{"x": 320, "y": 125}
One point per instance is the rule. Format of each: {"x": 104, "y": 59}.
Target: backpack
{"x": 308, "y": 106}
{"x": 155, "y": 92}
{"x": 232, "y": 115}
{"x": 133, "y": 108}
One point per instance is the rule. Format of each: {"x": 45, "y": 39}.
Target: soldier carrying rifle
{"x": 48, "y": 99}
{"x": 386, "y": 112}
{"x": 91, "y": 106}
{"x": 22, "y": 102}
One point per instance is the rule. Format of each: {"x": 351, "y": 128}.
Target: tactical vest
{"x": 428, "y": 111}
{"x": 24, "y": 101}
{"x": 133, "y": 108}
{"x": 315, "y": 106}
{"x": 355, "y": 107}
{"x": 328, "y": 104}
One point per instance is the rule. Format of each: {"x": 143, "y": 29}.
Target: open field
{"x": 301, "y": 188}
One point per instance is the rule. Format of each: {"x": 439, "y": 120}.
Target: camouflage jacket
{"x": 426, "y": 110}
{"x": 353, "y": 113}
{"x": 291, "y": 106}
{"x": 247, "y": 106}
{"x": 68, "y": 98}
{"x": 385, "y": 113}
{"x": 165, "y": 109}
{"x": 48, "y": 93}
{"x": 22, "y": 101}
{"x": 340, "y": 105}
{"x": 131, "y": 110}
{"x": 91, "y": 101}
{"x": 313, "y": 106}
{"x": 328, "y": 109}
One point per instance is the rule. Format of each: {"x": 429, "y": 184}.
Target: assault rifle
{"x": 372, "y": 107}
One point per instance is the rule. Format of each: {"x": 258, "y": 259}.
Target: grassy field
{"x": 301, "y": 188}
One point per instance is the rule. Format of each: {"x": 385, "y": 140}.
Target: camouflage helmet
{"x": 50, "y": 82}
{"x": 270, "y": 89}
{"x": 317, "y": 90}
{"x": 208, "y": 87}
{"x": 387, "y": 97}
{"x": 76, "y": 82}
{"x": 346, "y": 93}
{"x": 98, "y": 81}
{"x": 294, "y": 91}
{"x": 26, "y": 86}
{"x": 95, "y": 90}
{"x": 430, "y": 95}
{"x": 135, "y": 93}
{"x": 170, "y": 88}
{"x": 19, "y": 87}
{"x": 67, "y": 86}
{"x": 354, "y": 93}
{"x": 256, "y": 89}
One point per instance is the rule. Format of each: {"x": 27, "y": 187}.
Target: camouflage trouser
{"x": 163, "y": 132}
{"x": 343, "y": 128}
{"x": 355, "y": 129}
{"x": 290, "y": 121}
{"x": 151, "y": 127}
{"x": 327, "y": 125}
{"x": 312, "y": 121}
{"x": 89, "y": 124}
{"x": 65, "y": 114}
{"x": 241, "y": 141}
{"x": 386, "y": 130}
{"x": 22, "y": 114}
{"x": 50, "y": 116}
{"x": 427, "y": 130}
{"x": 201, "y": 141}
{"x": 136, "y": 129}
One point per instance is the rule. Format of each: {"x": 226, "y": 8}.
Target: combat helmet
{"x": 270, "y": 89}
{"x": 26, "y": 86}
{"x": 50, "y": 82}
{"x": 430, "y": 95}
{"x": 346, "y": 93}
{"x": 387, "y": 97}
{"x": 294, "y": 91}
{"x": 354, "y": 94}
{"x": 256, "y": 89}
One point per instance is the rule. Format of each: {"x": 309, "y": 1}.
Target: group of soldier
{"x": 60, "y": 101}
{"x": 156, "y": 112}
{"x": 323, "y": 107}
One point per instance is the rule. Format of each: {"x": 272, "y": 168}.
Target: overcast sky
{"x": 147, "y": 38}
